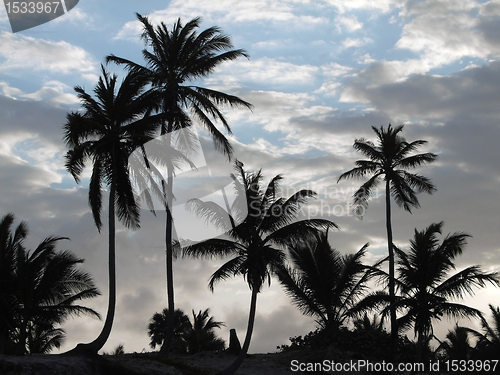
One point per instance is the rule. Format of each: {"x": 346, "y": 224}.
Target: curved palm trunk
{"x": 99, "y": 342}
{"x": 392, "y": 296}
{"x": 244, "y": 350}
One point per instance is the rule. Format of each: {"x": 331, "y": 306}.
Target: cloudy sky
{"x": 320, "y": 74}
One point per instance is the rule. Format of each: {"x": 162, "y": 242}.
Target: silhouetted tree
{"x": 457, "y": 344}
{"x": 40, "y": 291}
{"x": 389, "y": 160}
{"x": 200, "y": 336}
{"x": 425, "y": 286}
{"x": 322, "y": 282}
{"x": 488, "y": 344}
{"x": 178, "y": 57}
{"x": 111, "y": 127}
{"x": 158, "y": 327}
{"x": 257, "y": 243}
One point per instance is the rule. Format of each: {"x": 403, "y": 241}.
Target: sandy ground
{"x": 207, "y": 363}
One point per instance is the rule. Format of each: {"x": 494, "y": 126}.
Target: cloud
{"x": 474, "y": 90}
{"x": 286, "y": 13}
{"x": 265, "y": 70}
{"x": 357, "y": 42}
{"x": 21, "y": 52}
{"x": 351, "y": 23}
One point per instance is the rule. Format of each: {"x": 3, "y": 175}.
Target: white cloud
{"x": 284, "y": 12}
{"x": 264, "y": 70}
{"x": 351, "y": 23}
{"x": 357, "y": 42}
{"x": 53, "y": 91}
{"x": 383, "y": 6}
{"x": 77, "y": 16}
{"x": 20, "y": 52}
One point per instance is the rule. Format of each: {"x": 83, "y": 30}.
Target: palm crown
{"x": 322, "y": 282}
{"x": 112, "y": 126}
{"x": 259, "y": 240}
{"x": 181, "y": 55}
{"x": 390, "y": 158}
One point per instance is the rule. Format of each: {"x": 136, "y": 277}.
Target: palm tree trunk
{"x": 244, "y": 350}
{"x": 165, "y": 348}
{"x": 168, "y": 196}
{"x": 99, "y": 342}
{"x": 392, "y": 296}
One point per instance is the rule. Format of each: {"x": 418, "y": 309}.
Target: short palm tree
{"x": 11, "y": 243}
{"x": 201, "y": 336}
{"x": 158, "y": 327}
{"x": 178, "y": 57}
{"x": 425, "y": 286}
{"x": 389, "y": 160}
{"x": 488, "y": 342}
{"x": 457, "y": 344}
{"x": 41, "y": 292}
{"x": 111, "y": 127}
{"x": 257, "y": 244}
{"x": 322, "y": 282}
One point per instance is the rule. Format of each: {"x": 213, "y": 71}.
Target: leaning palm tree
{"x": 41, "y": 292}
{"x": 111, "y": 127}
{"x": 323, "y": 283}
{"x": 389, "y": 160}
{"x": 257, "y": 244}
{"x": 177, "y": 58}
{"x": 426, "y": 290}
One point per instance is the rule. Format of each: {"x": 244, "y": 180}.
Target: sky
{"x": 319, "y": 75}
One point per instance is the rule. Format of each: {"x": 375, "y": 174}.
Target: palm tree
{"x": 322, "y": 282}
{"x": 106, "y": 133}
{"x": 389, "y": 161}
{"x": 257, "y": 244}
{"x": 158, "y": 327}
{"x": 457, "y": 344}
{"x": 11, "y": 243}
{"x": 41, "y": 292}
{"x": 425, "y": 286}
{"x": 201, "y": 336}
{"x": 488, "y": 343}
{"x": 179, "y": 56}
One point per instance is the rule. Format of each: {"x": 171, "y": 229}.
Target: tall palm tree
{"x": 41, "y": 292}
{"x": 178, "y": 57}
{"x": 257, "y": 244}
{"x": 425, "y": 286}
{"x": 322, "y": 282}
{"x": 389, "y": 160}
{"x": 111, "y": 127}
